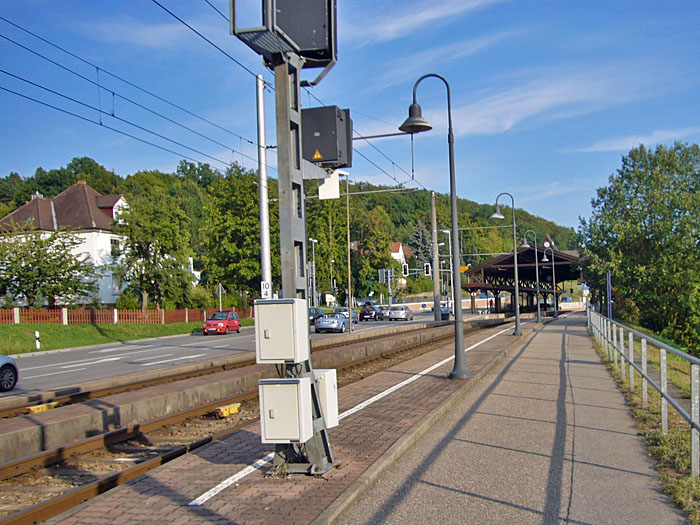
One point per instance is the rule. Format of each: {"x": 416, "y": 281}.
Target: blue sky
{"x": 547, "y": 96}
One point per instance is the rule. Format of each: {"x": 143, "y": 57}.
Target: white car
{"x": 401, "y": 312}
{"x": 8, "y": 373}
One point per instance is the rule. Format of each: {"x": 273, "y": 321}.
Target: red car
{"x": 222, "y": 323}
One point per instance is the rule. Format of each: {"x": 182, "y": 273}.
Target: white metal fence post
{"x": 695, "y": 418}
{"x": 664, "y": 403}
{"x": 116, "y": 316}
{"x": 64, "y": 316}
{"x": 622, "y": 352}
{"x": 631, "y": 345}
{"x": 15, "y": 315}
{"x": 645, "y": 384}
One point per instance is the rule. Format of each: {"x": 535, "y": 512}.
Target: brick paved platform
{"x": 364, "y": 440}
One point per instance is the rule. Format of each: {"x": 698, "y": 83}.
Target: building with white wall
{"x": 84, "y": 209}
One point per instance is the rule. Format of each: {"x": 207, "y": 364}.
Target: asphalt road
{"x": 65, "y": 368}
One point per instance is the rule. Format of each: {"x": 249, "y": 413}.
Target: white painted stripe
{"x": 201, "y": 500}
{"x": 83, "y": 361}
{"x": 171, "y": 360}
{"x": 100, "y": 361}
{"x": 117, "y": 349}
{"x": 152, "y": 357}
{"x": 52, "y": 374}
{"x": 259, "y": 463}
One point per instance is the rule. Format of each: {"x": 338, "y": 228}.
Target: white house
{"x": 91, "y": 213}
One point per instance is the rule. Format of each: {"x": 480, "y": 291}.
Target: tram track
{"x": 48, "y": 483}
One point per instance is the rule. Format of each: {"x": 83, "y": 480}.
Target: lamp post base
{"x": 460, "y": 374}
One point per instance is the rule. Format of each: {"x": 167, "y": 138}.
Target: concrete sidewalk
{"x": 545, "y": 438}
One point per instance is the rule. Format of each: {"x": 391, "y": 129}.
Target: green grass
{"x": 19, "y": 338}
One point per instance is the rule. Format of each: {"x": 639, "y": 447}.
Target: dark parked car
{"x": 371, "y": 312}
{"x": 222, "y": 322}
{"x": 314, "y": 313}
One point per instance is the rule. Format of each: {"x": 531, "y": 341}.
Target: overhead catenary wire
{"x": 114, "y": 93}
{"x": 412, "y": 177}
{"x": 125, "y": 81}
{"x": 228, "y": 55}
{"x": 86, "y": 119}
{"x": 102, "y": 112}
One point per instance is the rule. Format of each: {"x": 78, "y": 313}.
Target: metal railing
{"x": 610, "y": 335}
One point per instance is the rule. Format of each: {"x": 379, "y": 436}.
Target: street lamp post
{"x": 313, "y": 272}
{"x": 537, "y": 271}
{"x": 554, "y": 277}
{"x": 498, "y": 215}
{"x": 415, "y": 123}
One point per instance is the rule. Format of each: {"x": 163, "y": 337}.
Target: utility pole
{"x": 436, "y": 271}
{"x": 265, "y": 266}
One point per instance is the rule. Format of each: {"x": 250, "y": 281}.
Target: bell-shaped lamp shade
{"x": 497, "y": 213}
{"x": 524, "y": 245}
{"x": 415, "y": 123}
{"x": 544, "y": 258}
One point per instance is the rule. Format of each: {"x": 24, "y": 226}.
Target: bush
{"x": 127, "y": 301}
{"x": 201, "y": 298}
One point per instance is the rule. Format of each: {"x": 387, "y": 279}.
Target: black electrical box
{"x": 311, "y": 24}
{"x": 327, "y": 136}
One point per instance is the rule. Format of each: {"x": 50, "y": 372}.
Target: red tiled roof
{"x": 79, "y": 206}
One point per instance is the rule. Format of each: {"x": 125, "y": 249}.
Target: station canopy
{"x": 498, "y": 274}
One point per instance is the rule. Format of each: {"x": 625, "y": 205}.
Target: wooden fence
{"x": 71, "y": 316}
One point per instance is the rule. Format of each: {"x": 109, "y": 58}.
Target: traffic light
{"x": 404, "y": 269}
{"x": 426, "y": 269}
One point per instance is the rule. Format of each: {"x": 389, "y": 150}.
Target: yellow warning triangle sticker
{"x": 317, "y": 156}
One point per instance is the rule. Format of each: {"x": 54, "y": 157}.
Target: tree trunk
{"x": 144, "y": 300}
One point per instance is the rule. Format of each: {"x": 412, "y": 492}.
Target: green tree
{"x": 645, "y": 228}
{"x": 421, "y": 243}
{"x": 232, "y": 232}
{"x": 39, "y": 266}
{"x": 154, "y": 258}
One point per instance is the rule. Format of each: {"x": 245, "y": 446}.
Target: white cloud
{"x": 409, "y": 66}
{"x": 632, "y": 141}
{"x": 170, "y": 35}
{"x": 380, "y": 25}
{"x": 551, "y": 95}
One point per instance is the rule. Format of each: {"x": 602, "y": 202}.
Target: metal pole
{"x": 332, "y": 287}
{"x": 460, "y": 370}
{"x": 517, "y": 286}
{"x": 537, "y": 275}
{"x": 347, "y": 225}
{"x": 554, "y": 282}
{"x": 609, "y": 293}
{"x": 436, "y": 270}
{"x": 265, "y": 266}
{"x": 313, "y": 270}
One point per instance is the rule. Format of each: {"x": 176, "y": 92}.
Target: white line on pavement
{"x": 170, "y": 360}
{"x": 262, "y": 461}
{"x": 152, "y": 357}
{"x": 100, "y": 361}
{"x": 117, "y": 349}
{"x": 82, "y": 361}
{"x": 53, "y": 374}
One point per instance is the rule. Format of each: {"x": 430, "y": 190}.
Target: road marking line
{"x": 152, "y": 357}
{"x": 106, "y": 360}
{"x": 117, "y": 349}
{"x": 82, "y": 361}
{"x": 262, "y": 461}
{"x": 171, "y": 360}
{"x": 53, "y": 374}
